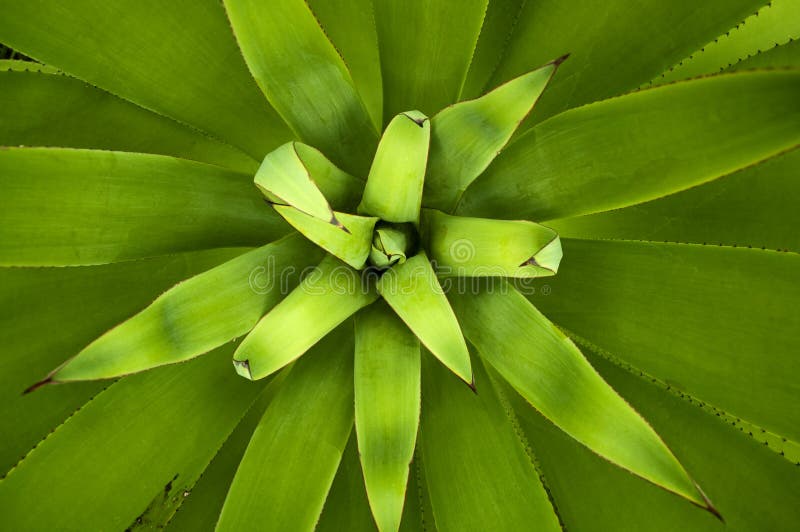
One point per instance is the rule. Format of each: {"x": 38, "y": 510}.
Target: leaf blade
{"x": 325, "y": 298}
{"x": 387, "y": 399}
{"x": 641, "y": 146}
{"x": 413, "y": 291}
{"x": 304, "y": 78}
{"x": 551, "y": 373}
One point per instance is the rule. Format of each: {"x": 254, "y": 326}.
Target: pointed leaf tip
{"x": 243, "y": 368}
{"x": 37, "y": 385}
{"x": 557, "y": 62}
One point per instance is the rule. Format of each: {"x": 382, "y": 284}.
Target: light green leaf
{"x": 548, "y": 370}
{"x": 702, "y": 318}
{"x": 498, "y": 26}
{"x": 178, "y": 59}
{"x": 301, "y": 438}
{"x": 754, "y": 207}
{"x": 328, "y": 295}
{"x": 394, "y": 187}
{"x": 387, "y": 395}
{"x": 350, "y": 240}
{"x": 467, "y": 136}
{"x": 614, "y": 47}
{"x": 641, "y": 146}
{"x": 589, "y": 490}
{"x": 776, "y": 23}
{"x": 20, "y": 65}
{"x": 479, "y": 247}
{"x": 478, "y": 473}
{"x": 426, "y": 47}
{"x": 195, "y": 316}
{"x": 350, "y": 25}
{"x": 285, "y": 178}
{"x": 390, "y": 244}
{"x": 74, "y": 305}
{"x": 76, "y": 207}
{"x": 41, "y": 109}
{"x": 305, "y": 78}
{"x": 346, "y": 506}
{"x": 64, "y": 483}
{"x": 415, "y": 294}
{"x": 787, "y": 55}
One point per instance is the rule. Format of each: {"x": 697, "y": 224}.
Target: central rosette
{"x": 392, "y": 247}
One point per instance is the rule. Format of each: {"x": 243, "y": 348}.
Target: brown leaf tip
{"x": 334, "y": 221}
{"x": 36, "y": 386}
{"x": 557, "y": 62}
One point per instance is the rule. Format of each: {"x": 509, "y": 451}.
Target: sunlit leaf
{"x": 329, "y": 294}
{"x": 415, "y": 294}
{"x": 195, "y": 316}
{"x": 479, "y": 247}
{"x": 394, "y": 187}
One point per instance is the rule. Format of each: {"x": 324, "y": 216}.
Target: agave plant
{"x": 484, "y": 265}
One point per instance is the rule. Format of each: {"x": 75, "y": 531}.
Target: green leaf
{"x": 426, "y": 47}
{"x": 346, "y": 506}
{"x": 285, "y": 178}
{"x": 304, "y": 78}
{"x": 477, "y": 471}
{"x": 701, "y": 318}
{"x": 64, "y": 483}
{"x": 203, "y": 502}
{"x": 387, "y": 399}
{"x": 774, "y": 24}
{"x": 350, "y": 25}
{"x": 467, "y": 136}
{"x": 350, "y": 240}
{"x": 754, "y": 207}
{"x": 76, "y": 207}
{"x": 47, "y": 314}
{"x": 415, "y": 294}
{"x": 641, "y": 146}
{"x": 390, "y": 244}
{"x": 301, "y": 436}
{"x": 394, "y": 187}
{"x": 41, "y": 109}
{"x": 479, "y": 247}
{"x": 757, "y": 493}
{"x": 198, "y": 77}
{"x": 498, "y": 26}
{"x": 19, "y": 65}
{"x": 787, "y": 55}
{"x": 195, "y": 316}
{"x": 551, "y": 373}
{"x": 613, "y": 49}
{"x": 329, "y": 294}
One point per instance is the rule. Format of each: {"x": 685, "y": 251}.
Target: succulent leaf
{"x": 304, "y": 78}
{"x": 314, "y": 405}
{"x": 193, "y": 406}
{"x": 198, "y": 79}
{"x": 411, "y": 33}
{"x": 466, "y": 137}
{"x": 546, "y": 368}
{"x": 394, "y": 187}
{"x": 415, "y": 294}
{"x": 479, "y": 247}
{"x": 387, "y": 403}
{"x": 328, "y": 295}
{"x": 467, "y": 442}
{"x": 641, "y": 146}
{"x": 48, "y": 109}
{"x": 127, "y": 206}
{"x": 349, "y": 240}
{"x": 195, "y": 316}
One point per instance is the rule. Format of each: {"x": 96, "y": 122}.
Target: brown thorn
{"x": 36, "y": 386}
{"x": 339, "y": 224}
